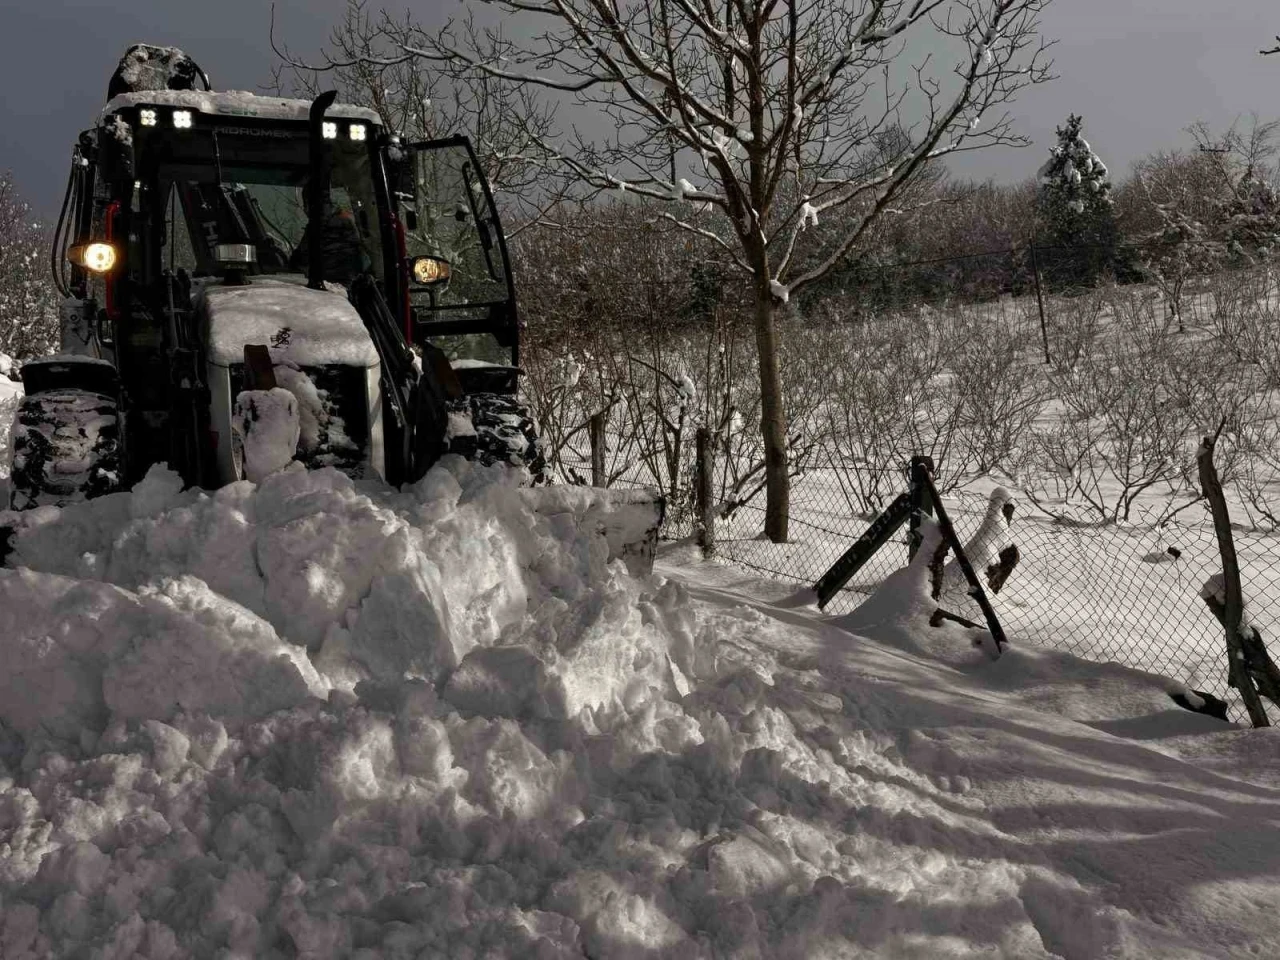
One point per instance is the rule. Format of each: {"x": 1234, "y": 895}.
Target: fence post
{"x": 1240, "y": 665}
{"x": 595, "y": 429}
{"x": 921, "y": 502}
{"x": 705, "y": 504}
{"x": 1044, "y": 329}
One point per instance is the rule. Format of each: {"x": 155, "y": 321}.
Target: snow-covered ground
{"x": 314, "y": 718}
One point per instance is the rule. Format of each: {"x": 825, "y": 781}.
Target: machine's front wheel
{"x": 496, "y": 428}
{"x": 66, "y": 448}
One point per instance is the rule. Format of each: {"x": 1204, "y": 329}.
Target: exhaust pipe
{"x": 317, "y": 189}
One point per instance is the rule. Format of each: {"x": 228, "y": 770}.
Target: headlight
{"x": 147, "y": 118}
{"x": 429, "y": 271}
{"x": 182, "y": 119}
{"x": 358, "y": 131}
{"x": 98, "y": 257}
{"x": 329, "y": 130}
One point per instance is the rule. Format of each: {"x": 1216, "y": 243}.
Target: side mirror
{"x": 430, "y": 271}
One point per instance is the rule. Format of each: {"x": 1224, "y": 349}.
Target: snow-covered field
{"x": 319, "y": 719}
{"x": 1099, "y": 449}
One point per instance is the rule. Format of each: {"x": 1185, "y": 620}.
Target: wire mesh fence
{"x": 1123, "y": 593}
{"x": 1110, "y": 593}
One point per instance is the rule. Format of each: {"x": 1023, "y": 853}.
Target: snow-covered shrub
{"x": 996, "y": 383}
{"x": 1180, "y": 250}
{"x": 28, "y": 301}
{"x": 1134, "y": 407}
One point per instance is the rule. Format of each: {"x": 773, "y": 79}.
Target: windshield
{"x": 232, "y": 188}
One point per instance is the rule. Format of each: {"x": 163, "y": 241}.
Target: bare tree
{"x": 421, "y": 101}
{"x": 753, "y": 118}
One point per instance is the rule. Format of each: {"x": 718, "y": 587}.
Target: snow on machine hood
{"x": 300, "y": 326}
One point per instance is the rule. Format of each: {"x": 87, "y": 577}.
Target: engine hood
{"x": 299, "y": 325}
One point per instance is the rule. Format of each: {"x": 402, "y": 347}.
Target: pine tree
{"x": 1075, "y": 209}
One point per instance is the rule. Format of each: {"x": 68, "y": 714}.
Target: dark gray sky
{"x": 1138, "y": 71}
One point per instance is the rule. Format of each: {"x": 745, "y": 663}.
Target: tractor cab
{"x": 251, "y": 281}
{"x": 198, "y": 222}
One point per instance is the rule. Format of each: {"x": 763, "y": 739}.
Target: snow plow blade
{"x": 629, "y": 519}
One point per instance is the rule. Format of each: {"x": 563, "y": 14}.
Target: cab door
{"x": 461, "y": 293}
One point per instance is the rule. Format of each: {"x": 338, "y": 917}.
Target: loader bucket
{"x": 629, "y": 519}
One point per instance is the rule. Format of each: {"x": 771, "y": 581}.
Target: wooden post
{"x": 259, "y": 373}
{"x": 703, "y": 493}
{"x": 1238, "y": 667}
{"x": 1044, "y": 329}
{"x": 975, "y": 586}
{"x": 595, "y": 429}
{"x": 921, "y": 504}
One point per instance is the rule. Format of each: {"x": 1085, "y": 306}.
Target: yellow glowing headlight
{"x": 430, "y": 270}
{"x": 97, "y": 257}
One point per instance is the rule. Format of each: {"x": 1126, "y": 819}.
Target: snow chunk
{"x": 148, "y": 67}
{"x": 779, "y": 290}
{"x": 121, "y": 131}
{"x": 267, "y": 424}
{"x": 75, "y": 650}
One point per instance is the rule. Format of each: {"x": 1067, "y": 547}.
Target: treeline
{"x": 1175, "y": 216}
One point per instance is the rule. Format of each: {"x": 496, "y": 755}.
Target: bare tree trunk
{"x": 773, "y": 418}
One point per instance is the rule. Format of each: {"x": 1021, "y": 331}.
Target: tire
{"x": 502, "y": 430}
{"x": 66, "y": 448}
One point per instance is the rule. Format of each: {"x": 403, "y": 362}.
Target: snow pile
{"x": 319, "y": 718}
{"x": 176, "y": 769}
{"x": 145, "y": 67}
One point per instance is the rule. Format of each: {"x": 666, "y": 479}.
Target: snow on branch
{"x": 680, "y": 190}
